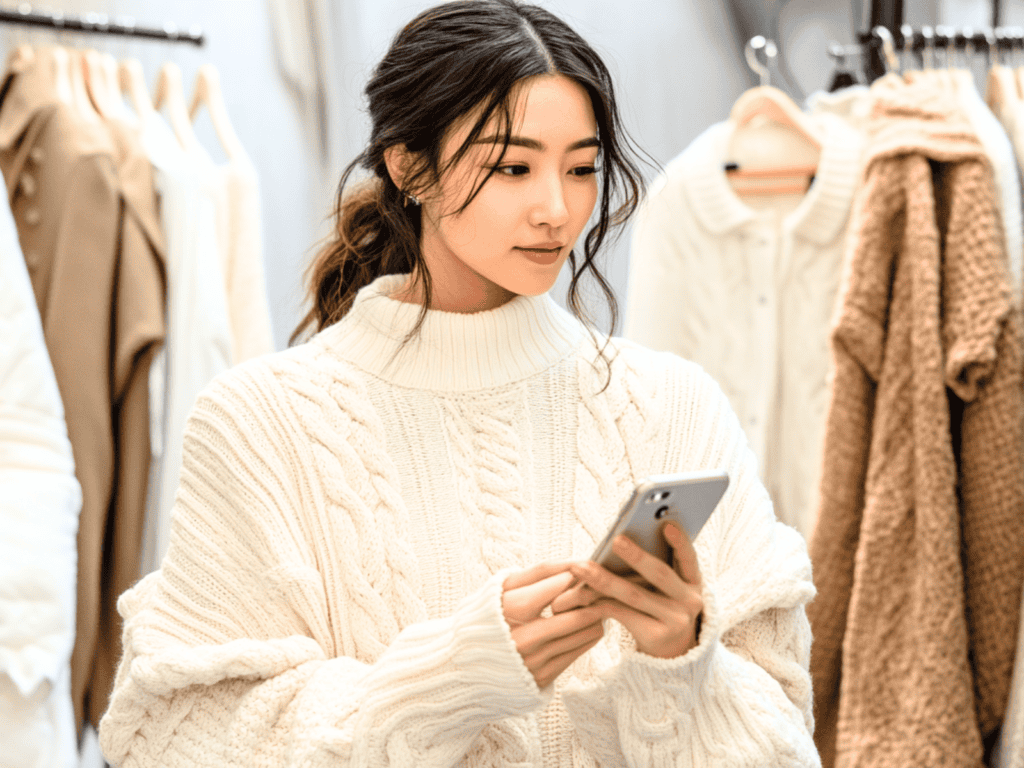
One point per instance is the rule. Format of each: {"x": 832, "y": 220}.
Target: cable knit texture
{"x": 349, "y": 510}
{"x": 919, "y": 548}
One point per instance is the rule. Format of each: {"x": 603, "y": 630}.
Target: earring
{"x": 415, "y": 200}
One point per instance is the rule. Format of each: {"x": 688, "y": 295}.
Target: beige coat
{"x": 919, "y": 549}
{"x": 85, "y": 210}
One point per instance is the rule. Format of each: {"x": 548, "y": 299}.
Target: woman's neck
{"x": 455, "y": 286}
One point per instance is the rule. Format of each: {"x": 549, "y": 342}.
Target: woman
{"x": 377, "y": 532}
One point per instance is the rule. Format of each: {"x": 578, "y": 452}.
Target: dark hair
{"x": 451, "y": 59}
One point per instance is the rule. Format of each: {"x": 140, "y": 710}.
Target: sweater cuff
{"x": 652, "y": 691}
{"x": 434, "y": 689}
{"x": 650, "y": 681}
{"x": 473, "y": 651}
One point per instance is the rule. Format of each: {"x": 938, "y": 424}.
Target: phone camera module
{"x": 660, "y": 513}
{"x": 659, "y": 496}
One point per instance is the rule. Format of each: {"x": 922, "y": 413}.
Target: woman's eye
{"x": 512, "y": 170}
{"x": 584, "y": 170}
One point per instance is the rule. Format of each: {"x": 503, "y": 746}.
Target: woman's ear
{"x": 396, "y": 158}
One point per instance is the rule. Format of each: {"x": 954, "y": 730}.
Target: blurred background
{"x": 292, "y": 73}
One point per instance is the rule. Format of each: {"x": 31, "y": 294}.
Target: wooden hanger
{"x": 96, "y": 83}
{"x": 169, "y": 90}
{"x": 53, "y": 63}
{"x": 769, "y": 104}
{"x": 208, "y": 91}
{"x": 79, "y": 90}
{"x": 132, "y": 82}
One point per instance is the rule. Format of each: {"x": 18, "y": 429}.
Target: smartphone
{"x": 687, "y": 499}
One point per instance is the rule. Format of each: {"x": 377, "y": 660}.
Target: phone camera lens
{"x": 659, "y": 496}
{"x": 662, "y": 511}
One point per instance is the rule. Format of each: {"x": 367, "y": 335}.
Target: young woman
{"x": 380, "y": 542}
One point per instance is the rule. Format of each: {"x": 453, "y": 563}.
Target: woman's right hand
{"x": 548, "y": 644}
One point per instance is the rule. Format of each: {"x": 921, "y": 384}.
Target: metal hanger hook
{"x": 928, "y": 35}
{"x": 892, "y": 63}
{"x": 755, "y": 44}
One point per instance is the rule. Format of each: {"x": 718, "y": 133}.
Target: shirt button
{"x": 28, "y": 184}
{"x": 753, "y": 421}
{"x": 762, "y": 299}
{"x": 33, "y": 216}
{"x": 37, "y": 155}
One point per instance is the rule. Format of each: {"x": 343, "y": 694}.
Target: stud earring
{"x": 410, "y": 198}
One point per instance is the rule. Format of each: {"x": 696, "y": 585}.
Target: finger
{"x": 532, "y": 635}
{"x": 684, "y": 555}
{"x": 557, "y": 665}
{"x": 610, "y": 585}
{"x": 565, "y": 644}
{"x": 526, "y": 603}
{"x": 534, "y": 574}
{"x": 577, "y": 596}
{"x": 658, "y": 573}
{"x": 666, "y": 638}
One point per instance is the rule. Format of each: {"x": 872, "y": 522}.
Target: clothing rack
{"x": 889, "y": 14}
{"x": 98, "y": 23}
{"x": 930, "y": 40}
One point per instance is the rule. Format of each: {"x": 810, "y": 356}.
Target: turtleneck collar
{"x": 452, "y": 352}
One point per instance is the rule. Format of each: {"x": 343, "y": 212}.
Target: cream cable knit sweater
{"x": 348, "y": 510}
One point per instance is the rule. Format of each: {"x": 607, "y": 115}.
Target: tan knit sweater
{"x": 918, "y": 552}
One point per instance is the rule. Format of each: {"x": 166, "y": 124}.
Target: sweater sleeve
{"x": 229, "y": 653}
{"x": 742, "y": 696}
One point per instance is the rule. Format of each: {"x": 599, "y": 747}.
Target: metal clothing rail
{"x": 928, "y": 40}
{"x": 99, "y": 23}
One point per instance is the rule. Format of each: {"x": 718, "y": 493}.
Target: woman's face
{"x": 518, "y": 231}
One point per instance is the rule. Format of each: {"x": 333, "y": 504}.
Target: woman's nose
{"x": 550, "y": 206}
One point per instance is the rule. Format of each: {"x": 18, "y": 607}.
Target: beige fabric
{"x": 916, "y": 618}
{"x": 82, "y": 199}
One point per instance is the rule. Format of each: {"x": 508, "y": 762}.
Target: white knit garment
{"x": 349, "y": 509}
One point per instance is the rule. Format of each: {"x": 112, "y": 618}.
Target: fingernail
{"x": 673, "y": 535}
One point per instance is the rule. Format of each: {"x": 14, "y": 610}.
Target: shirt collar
{"x": 822, "y": 213}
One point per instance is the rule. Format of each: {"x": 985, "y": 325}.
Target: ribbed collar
{"x": 821, "y": 214}
{"x": 453, "y": 352}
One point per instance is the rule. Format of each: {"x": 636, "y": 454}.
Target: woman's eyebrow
{"x": 522, "y": 141}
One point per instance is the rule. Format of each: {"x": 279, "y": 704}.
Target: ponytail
{"x": 376, "y": 233}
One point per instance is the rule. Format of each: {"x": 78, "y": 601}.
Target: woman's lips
{"x": 543, "y": 256}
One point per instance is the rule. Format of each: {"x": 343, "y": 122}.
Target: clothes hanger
{"x": 54, "y": 65}
{"x": 1001, "y": 86}
{"x": 842, "y": 75}
{"x": 113, "y": 88}
{"x": 132, "y": 81}
{"x": 769, "y": 104}
{"x": 79, "y": 90}
{"x": 96, "y": 83}
{"x": 207, "y": 91}
{"x": 168, "y": 89}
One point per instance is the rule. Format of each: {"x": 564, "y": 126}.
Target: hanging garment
{"x": 305, "y": 41}
{"x": 85, "y": 211}
{"x": 198, "y": 342}
{"x": 40, "y": 500}
{"x": 748, "y": 295}
{"x": 918, "y": 551}
{"x": 853, "y": 104}
{"x": 235, "y": 186}
{"x": 999, "y": 151}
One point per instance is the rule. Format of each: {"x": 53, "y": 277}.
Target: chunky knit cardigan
{"x": 347, "y": 513}
{"x": 919, "y": 547}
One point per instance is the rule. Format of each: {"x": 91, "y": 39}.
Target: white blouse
{"x": 749, "y": 295}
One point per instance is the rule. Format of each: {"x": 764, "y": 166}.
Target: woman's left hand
{"x": 663, "y": 620}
